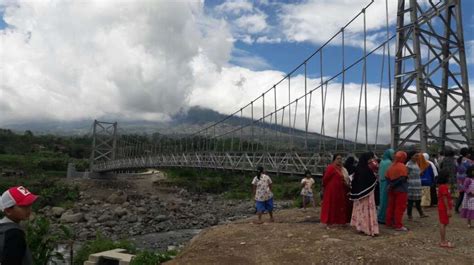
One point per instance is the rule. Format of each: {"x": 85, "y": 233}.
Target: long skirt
{"x": 364, "y": 215}
{"x": 383, "y": 202}
{"x": 467, "y": 210}
{"x": 425, "y": 196}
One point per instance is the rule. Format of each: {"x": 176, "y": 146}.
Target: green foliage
{"x": 211, "y": 181}
{"x": 286, "y": 190}
{"x": 234, "y": 185}
{"x": 43, "y": 241}
{"x": 52, "y": 191}
{"x": 98, "y": 245}
{"x": 35, "y": 154}
{"x": 152, "y": 258}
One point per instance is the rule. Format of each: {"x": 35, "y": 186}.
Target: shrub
{"x": 43, "y": 241}
{"x": 53, "y": 192}
{"x": 152, "y": 258}
{"x": 100, "y": 244}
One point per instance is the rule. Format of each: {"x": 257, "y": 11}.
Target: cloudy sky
{"x": 147, "y": 59}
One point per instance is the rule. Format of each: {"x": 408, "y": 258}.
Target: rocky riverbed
{"x": 154, "y": 217}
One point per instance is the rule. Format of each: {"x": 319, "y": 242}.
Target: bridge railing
{"x": 280, "y": 163}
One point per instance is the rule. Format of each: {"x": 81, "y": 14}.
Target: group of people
{"x": 372, "y": 191}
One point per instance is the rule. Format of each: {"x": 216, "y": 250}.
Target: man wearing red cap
{"x": 16, "y": 205}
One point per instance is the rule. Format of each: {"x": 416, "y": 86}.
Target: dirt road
{"x": 297, "y": 238}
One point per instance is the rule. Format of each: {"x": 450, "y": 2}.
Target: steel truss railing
{"x": 280, "y": 163}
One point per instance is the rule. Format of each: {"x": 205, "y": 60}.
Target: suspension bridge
{"x": 415, "y": 72}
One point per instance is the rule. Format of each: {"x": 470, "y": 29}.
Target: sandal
{"x": 446, "y": 244}
{"x": 424, "y": 216}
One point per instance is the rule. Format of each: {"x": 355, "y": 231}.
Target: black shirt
{"x": 14, "y": 247}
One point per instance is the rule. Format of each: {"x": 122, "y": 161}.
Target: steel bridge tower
{"x": 104, "y": 142}
{"x": 431, "y": 81}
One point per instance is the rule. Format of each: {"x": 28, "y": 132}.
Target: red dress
{"x": 443, "y": 191}
{"x": 334, "y": 209}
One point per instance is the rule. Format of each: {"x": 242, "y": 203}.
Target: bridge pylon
{"x": 104, "y": 142}
{"x": 431, "y": 101}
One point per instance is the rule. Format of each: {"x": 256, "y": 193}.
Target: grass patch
{"x": 98, "y": 245}
{"x": 152, "y": 258}
{"x": 142, "y": 257}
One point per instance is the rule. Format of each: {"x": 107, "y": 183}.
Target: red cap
{"x": 17, "y": 196}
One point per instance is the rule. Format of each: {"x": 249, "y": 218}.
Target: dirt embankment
{"x": 297, "y": 237}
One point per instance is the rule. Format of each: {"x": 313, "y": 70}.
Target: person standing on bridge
{"x": 397, "y": 175}
{"x": 384, "y": 165}
{"x": 364, "y": 213}
{"x": 334, "y": 209}
{"x": 262, "y": 191}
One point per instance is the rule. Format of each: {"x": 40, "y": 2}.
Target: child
{"x": 445, "y": 207}
{"x": 307, "y": 189}
{"x": 262, "y": 191}
{"x": 16, "y": 205}
{"x": 467, "y": 210}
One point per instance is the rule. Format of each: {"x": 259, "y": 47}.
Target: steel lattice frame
{"x": 104, "y": 142}
{"x": 431, "y": 90}
{"x": 282, "y": 163}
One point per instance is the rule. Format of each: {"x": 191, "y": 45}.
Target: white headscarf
{"x": 435, "y": 170}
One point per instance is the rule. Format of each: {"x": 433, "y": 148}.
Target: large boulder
{"x": 120, "y": 211}
{"x": 118, "y": 197}
{"x": 69, "y": 217}
{"x": 104, "y": 218}
{"x": 57, "y": 211}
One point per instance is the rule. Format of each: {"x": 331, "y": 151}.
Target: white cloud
{"x": 246, "y": 20}
{"x": 248, "y": 60}
{"x": 128, "y": 58}
{"x": 470, "y": 51}
{"x": 235, "y": 7}
{"x": 235, "y": 87}
{"x": 253, "y": 23}
{"x": 318, "y": 20}
{"x": 265, "y": 39}
{"x": 143, "y": 61}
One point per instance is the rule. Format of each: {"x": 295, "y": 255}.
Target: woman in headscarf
{"x": 384, "y": 165}
{"x": 334, "y": 207}
{"x": 397, "y": 175}
{"x": 427, "y": 180}
{"x": 350, "y": 165}
{"x": 415, "y": 165}
{"x": 364, "y": 213}
{"x": 449, "y": 165}
{"x": 464, "y": 162}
